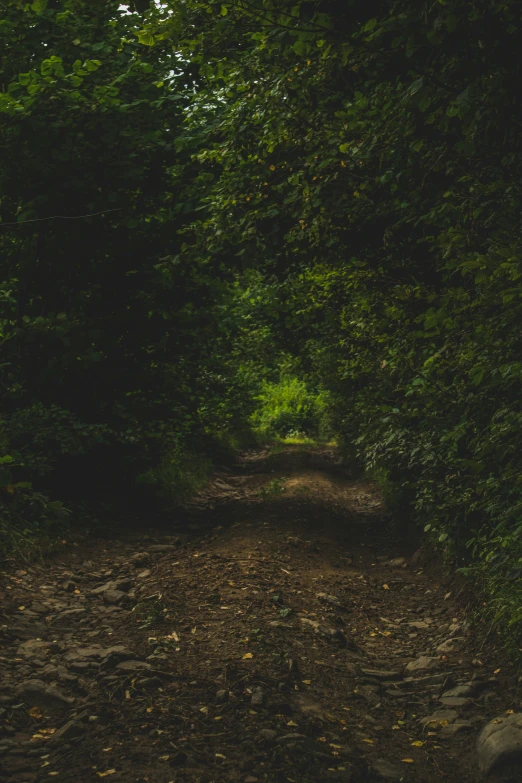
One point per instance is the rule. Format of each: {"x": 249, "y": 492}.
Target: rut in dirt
{"x": 284, "y": 630}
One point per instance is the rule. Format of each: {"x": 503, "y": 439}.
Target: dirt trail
{"x": 287, "y": 633}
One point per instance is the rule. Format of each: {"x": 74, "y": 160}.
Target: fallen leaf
{"x": 204, "y": 710}
{"x": 408, "y": 761}
{"x": 369, "y": 741}
{"x": 247, "y": 656}
{"x": 108, "y": 772}
{"x": 164, "y": 758}
{"x": 447, "y": 596}
{"x": 291, "y": 723}
{"x": 106, "y": 750}
{"x": 496, "y": 671}
{"x": 21, "y": 609}
{"x": 385, "y": 587}
{"x": 220, "y": 756}
{"x": 418, "y": 743}
{"x": 307, "y": 682}
{"x": 34, "y": 712}
{"x": 127, "y": 694}
{"x": 510, "y": 712}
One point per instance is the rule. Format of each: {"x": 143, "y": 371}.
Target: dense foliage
{"x": 335, "y": 181}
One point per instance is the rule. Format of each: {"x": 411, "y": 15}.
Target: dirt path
{"x": 287, "y": 634}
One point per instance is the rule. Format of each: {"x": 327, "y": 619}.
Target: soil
{"x": 283, "y": 628}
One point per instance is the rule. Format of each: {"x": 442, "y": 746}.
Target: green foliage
{"x": 193, "y": 190}
{"x": 289, "y": 409}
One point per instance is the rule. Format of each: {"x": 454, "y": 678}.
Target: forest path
{"x": 288, "y": 633}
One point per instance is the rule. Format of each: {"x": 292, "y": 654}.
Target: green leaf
{"x": 146, "y": 38}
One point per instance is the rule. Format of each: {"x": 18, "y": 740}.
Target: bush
{"x": 289, "y": 408}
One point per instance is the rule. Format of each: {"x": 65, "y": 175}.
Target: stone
{"x": 423, "y": 663}
{"x": 102, "y": 588}
{"x": 34, "y": 648}
{"x": 451, "y": 645}
{"x": 132, "y": 667}
{"x": 379, "y": 674}
{"x": 439, "y": 718}
{"x": 268, "y": 734}
{"x": 140, "y": 558}
{"x": 222, "y": 695}
{"x": 37, "y": 694}
{"x": 499, "y": 747}
{"x": 162, "y": 548}
{"x": 454, "y": 701}
{"x": 144, "y": 574}
{"x": 97, "y": 652}
{"x": 467, "y": 690}
{"x": 455, "y": 728}
{"x": 381, "y": 769}
{"x": 72, "y": 729}
{"x": 430, "y": 679}
{"x": 114, "y": 596}
{"x": 70, "y": 613}
{"x": 397, "y": 562}
{"x": 257, "y": 699}
{"x": 369, "y": 693}
{"x": 420, "y": 625}
{"x": 329, "y": 599}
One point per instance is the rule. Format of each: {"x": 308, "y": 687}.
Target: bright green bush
{"x": 289, "y": 408}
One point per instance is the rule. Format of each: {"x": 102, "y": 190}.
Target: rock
{"x": 162, "y": 548}
{"x": 454, "y": 701}
{"x": 70, "y": 613}
{"x": 424, "y": 663}
{"x": 397, "y": 562}
{"x": 102, "y": 588}
{"x": 144, "y": 574}
{"x": 222, "y": 695}
{"x": 268, "y": 734}
{"x": 499, "y": 748}
{"x": 329, "y": 599}
{"x": 451, "y": 645}
{"x": 291, "y": 737}
{"x": 439, "y": 718}
{"x": 455, "y": 728}
{"x": 430, "y": 679}
{"x": 140, "y": 558}
{"x": 114, "y": 596}
{"x": 34, "y": 648}
{"x": 257, "y": 699}
{"x": 379, "y": 674}
{"x": 73, "y": 728}
{"x": 370, "y": 693}
{"x": 420, "y": 625}
{"x": 81, "y": 667}
{"x": 131, "y": 667}
{"x": 381, "y": 769}
{"x": 468, "y": 690}
{"x": 37, "y": 694}
{"x": 98, "y": 653}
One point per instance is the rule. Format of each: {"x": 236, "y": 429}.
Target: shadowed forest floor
{"x": 284, "y": 629}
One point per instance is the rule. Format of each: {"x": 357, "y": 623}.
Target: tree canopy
{"x": 194, "y": 195}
